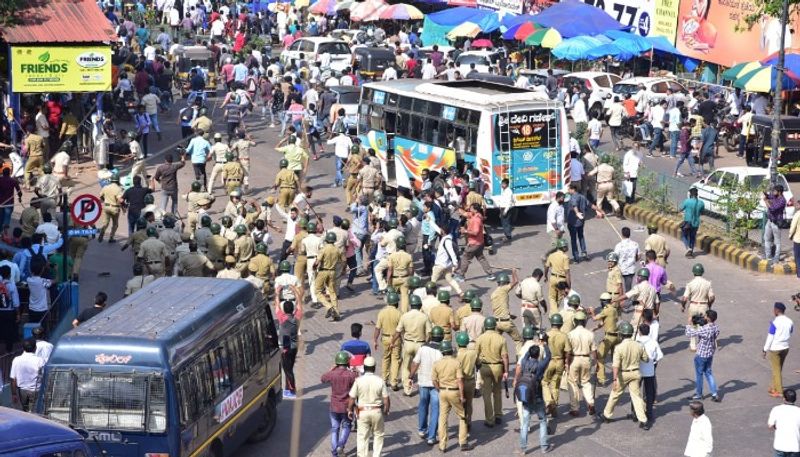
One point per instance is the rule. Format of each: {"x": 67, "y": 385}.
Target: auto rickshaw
{"x": 372, "y": 61}
{"x": 198, "y": 57}
{"x": 759, "y": 145}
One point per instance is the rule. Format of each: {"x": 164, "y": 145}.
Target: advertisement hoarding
{"x": 715, "y": 31}
{"x": 60, "y": 69}
{"x": 512, "y": 6}
{"x": 645, "y": 17}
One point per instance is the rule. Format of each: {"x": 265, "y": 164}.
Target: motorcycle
{"x": 729, "y": 133}
{"x": 124, "y": 108}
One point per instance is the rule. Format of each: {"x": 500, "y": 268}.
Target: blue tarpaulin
{"x": 577, "y": 48}
{"x": 630, "y": 42}
{"x": 458, "y": 15}
{"x": 510, "y": 21}
{"x": 574, "y": 18}
{"x": 612, "y": 49}
{"x": 433, "y": 33}
{"x": 662, "y": 44}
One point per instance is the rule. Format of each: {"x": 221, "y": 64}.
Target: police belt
{"x": 369, "y": 408}
{"x": 529, "y": 305}
{"x": 632, "y": 369}
{"x": 612, "y": 334}
{"x": 386, "y": 334}
{"x": 580, "y": 355}
{"x": 327, "y": 269}
{"x": 234, "y": 179}
{"x": 504, "y": 320}
{"x": 699, "y": 302}
{"x": 311, "y": 256}
{"x": 603, "y": 182}
{"x": 287, "y": 187}
{"x": 220, "y": 163}
{"x": 491, "y": 363}
{"x": 448, "y": 388}
{"x": 413, "y": 341}
{"x": 558, "y": 275}
{"x": 152, "y": 262}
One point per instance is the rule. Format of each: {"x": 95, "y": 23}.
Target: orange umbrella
{"x": 525, "y": 30}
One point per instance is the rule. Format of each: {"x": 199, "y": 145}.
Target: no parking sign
{"x": 86, "y": 209}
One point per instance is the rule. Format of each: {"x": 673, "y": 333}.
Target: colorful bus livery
{"x": 197, "y": 376}
{"x": 507, "y": 132}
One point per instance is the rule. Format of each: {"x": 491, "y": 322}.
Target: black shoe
{"x": 602, "y": 418}
{"x": 547, "y": 449}
{"x": 328, "y": 313}
{"x": 488, "y": 424}
{"x": 633, "y": 417}
{"x": 645, "y": 425}
{"x": 112, "y": 240}
{"x": 467, "y": 447}
{"x": 715, "y": 399}
{"x": 497, "y": 421}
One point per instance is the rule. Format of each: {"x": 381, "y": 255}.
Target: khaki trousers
{"x": 300, "y": 267}
{"x": 380, "y": 273}
{"x": 110, "y": 215}
{"x": 391, "y": 361}
{"x": 531, "y": 315}
{"x": 696, "y": 308}
{"x": 605, "y": 349}
{"x": 469, "y": 395}
{"x": 326, "y": 281}
{"x": 77, "y": 249}
{"x": 606, "y": 190}
{"x": 449, "y": 399}
{"x": 509, "y": 327}
{"x": 776, "y": 359}
{"x": 551, "y": 381}
{"x": 370, "y": 425}
{"x": 401, "y": 284}
{"x": 492, "y": 377}
{"x": 285, "y": 196}
{"x": 579, "y": 380}
{"x": 629, "y": 379}
{"x": 312, "y": 276}
{"x": 217, "y": 170}
{"x": 447, "y": 272}
{"x": 410, "y": 349}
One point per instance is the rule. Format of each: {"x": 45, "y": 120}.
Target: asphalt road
{"x": 744, "y": 303}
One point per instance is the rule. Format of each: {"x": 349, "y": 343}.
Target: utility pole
{"x": 778, "y": 101}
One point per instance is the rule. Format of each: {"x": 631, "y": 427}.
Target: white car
{"x": 596, "y": 84}
{"x": 313, "y": 48}
{"x": 710, "y": 188}
{"x": 349, "y": 97}
{"x": 656, "y": 88}
{"x": 482, "y": 60}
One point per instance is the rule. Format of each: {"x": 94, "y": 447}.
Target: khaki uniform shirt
{"x": 369, "y": 178}
{"x": 605, "y": 173}
{"x": 614, "y": 280}
{"x": 244, "y": 248}
{"x": 153, "y": 250}
{"x": 474, "y": 197}
{"x": 530, "y": 291}
{"x": 218, "y": 151}
{"x": 353, "y": 163}
{"x": 193, "y": 264}
{"x": 369, "y": 390}
{"x": 35, "y": 145}
{"x": 558, "y": 343}
{"x": 499, "y": 299}
{"x": 229, "y": 273}
{"x": 401, "y": 263}
{"x": 442, "y": 315}
{"x": 286, "y": 179}
{"x": 609, "y": 317}
{"x": 241, "y": 148}
{"x": 388, "y": 240}
{"x": 202, "y": 123}
{"x": 461, "y": 313}
{"x": 311, "y": 245}
{"x": 473, "y": 325}
{"x": 699, "y": 290}
{"x": 29, "y": 220}
{"x": 491, "y": 346}
{"x": 228, "y": 233}
{"x": 111, "y": 195}
{"x": 136, "y": 240}
{"x": 657, "y": 243}
{"x": 193, "y": 197}
{"x": 48, "y": 185}
{"x": 644, "y": 293}
{"x": 261, "y": 266}
{"x": 233, "y": 170}
{"x": 569, "y": 317}
{"x": 582, "y": 341}
{"x": 468, "y": 358}
{"x": 402, "y": 204}
{"x": 297, "y": 241}
{"x": 628, "y": 354}
{"x": 328, "y": 258}
{"x": 171, "y": 238}
{"x": 137, "y": 283}
{"x": 414, "y": 326}
{"x": 217, "y": 249}
{"x": 202, "y": 235}
{"x": 388, "y": 318}
{"x": 447, "y": 372}
{"x": 341, "y": 238}
{"x": 558, "y": 263}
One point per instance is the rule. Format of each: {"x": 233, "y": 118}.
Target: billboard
{"x": 715, "y": 31}
{"x": 511, "y": 6}
{"x": 60, "y": 69}
{"x": 645, "y": 17}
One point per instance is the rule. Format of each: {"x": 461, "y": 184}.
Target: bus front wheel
{"x": 270, "y": 415}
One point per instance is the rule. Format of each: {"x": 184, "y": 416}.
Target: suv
{"x": 482, "y": 60}
{"x": 314, "y": 47}
{"x": 596, "y": 84}
{"x": 656, "y": 87}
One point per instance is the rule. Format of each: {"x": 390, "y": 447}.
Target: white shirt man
{"x": 149, "y": 52}
{"x": 505, "y": 201}
{"x": 631, "y": 163}
{"x": 780, "y": 330}
{"x": 701, "y": 439}
{"x": 522, "y": 83}
{"x": 43, "y": 350}
{"x": 428, "y": 70}
{"x": 785, "y": 421}
{"x": 759, "y": 104}
{"x": 615, "y": 114}
{"x": 641, "y": 100}
{"x": 579, "y": 110}
{"x": 595, "y": 129}
{"x": 653, "y": 351}
{"x": 445, "y": 253}
{"x": 217, "y": 28}
{"x": 555, "y": 216}
{"x": 342, "y": 144}
{"x": 25, "y": 371}
{"x": 657, "y": 116}
{"x": 311, "y": 96}
{"x": 628, "y": 252}
{"x": 50, "y": 231}
{"x": 389, "y": 74}
{"x": 674, "y": 119}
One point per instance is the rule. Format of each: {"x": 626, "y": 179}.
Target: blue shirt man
{"x": 240, "y": 72}
{"x": 198, "y": 150}
{"x": 358, "y": 348}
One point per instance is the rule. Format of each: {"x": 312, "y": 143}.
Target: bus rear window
{"x": 108, "y": 400}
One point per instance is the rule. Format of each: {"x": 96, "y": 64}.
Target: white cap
{"x": 369, "y": 362}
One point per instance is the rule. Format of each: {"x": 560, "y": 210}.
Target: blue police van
{"x": 183, "y": 367}
{"x": 28, "y": 435}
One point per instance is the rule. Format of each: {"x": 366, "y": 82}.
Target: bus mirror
{"x": 82, "y": 432}
{"x": 489, "y": 201}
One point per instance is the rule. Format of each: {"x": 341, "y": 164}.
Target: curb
{"x": 713, "y": 245}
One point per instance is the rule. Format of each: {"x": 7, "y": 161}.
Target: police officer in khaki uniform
{"x": 244, "y": 247}
{"x": 448, "y": 379}
{"x": 328, "y": 260}
{"x": 493, "y": 359}
{"x": 559, "y": 349}
{"x": 614, "y": 282}
{"x": 202, "y": 122}
{"x": 368, "y": 179}
{"x": 556, "y": 268}
{"x": 463, "y": 311}
{"x": 698, "y": 296}
{"x": 413, "y": 328}
{"x": 193, "y": 263}
{"x": 138, "y": 281}
{"x": 300, "y": 258}
{"x": 400, "y": 268}
{"x": 474, "y": 197}
{"x": 607, "y": 320}
{"x": 353, "y": 166}
{"x": 230, "y": 271}
{"x": 48, "y": 188}
{"x": 192, "y": 204}
{"x": 468, "y": 358}
{"x": 219, "y": 151}
{"x": 286, "y": 183}
{"x": 136, "y": 239}
{"x": 310, "y": 247}
{"x": 605, "y": 184}
{"x": 499, "y": 299}
{"x": 171, "y": 239}
{"x": 217, "y": 247}
{"x": 473, "y": 324}
{"x": 203, "y": 234}
{"x": 30, "y": 218}
{"x": 656, "y": 242}
{"x": 385, "y": 326}
{"x": 442, "y": 315}
{"x": 627, "y": 357}
{"x": 262, "y": 266}
{"x": 568, "y": 314}
{"x": 643, "y": 295}
{"x": 579, "y": 362}
{"x": 153, "y": 253}
{"x": 369, "y": 403}
{"x": 533, "y": 305}
{"x": 111, "y": 197}
{"x": 233, "y": 173}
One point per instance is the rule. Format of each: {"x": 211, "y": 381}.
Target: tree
{"x": 769, "y": 8}
{"x": 10, "y": 12}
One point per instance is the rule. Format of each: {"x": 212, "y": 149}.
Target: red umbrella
{"x": 482, "y": 43}
{"x": 525, "y": 30}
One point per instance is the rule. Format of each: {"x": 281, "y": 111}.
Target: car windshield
{"x": 625, "y": 89}
{"x": 102, "y": 400}
{"x": 754, "y": 181}
{"x": 468, "y": 59}
{"x": 333, "y": 48}
{"x": 349, "y": 98}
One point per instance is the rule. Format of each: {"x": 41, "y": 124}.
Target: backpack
{"x": 38, "y": 263}
{"x": 528, "y": 388}
{"x": 5, "y": 296}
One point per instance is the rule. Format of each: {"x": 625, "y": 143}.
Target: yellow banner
{"x": 60, "y": 69}
{"x": 666, "y": 19}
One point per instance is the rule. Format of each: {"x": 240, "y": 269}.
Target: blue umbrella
{"x": 574, "y": 18}
{"x": 576, "y": 48}
{"x": 662, "y": 44}
{"x": 610, "y": 49}
{"x": 791, "y": 62}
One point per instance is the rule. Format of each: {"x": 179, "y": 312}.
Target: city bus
{"x": 504, "y": 131}
{"x": 183, "y": 367}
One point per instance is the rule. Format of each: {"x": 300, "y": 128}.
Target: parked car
{"x": 710, "y": 188}
{"x": 656, "y": 87}
{"x": 426, "y": 51}
{"x": 348, "y": 97}
{"x": 348, "y": 35}
{"x": 538, "y": 76}
{"x": 29, "y": 435}
{"x": 596, "y": 85}
{"x": 313, "y": 48}
{"x": 482, "y": 59}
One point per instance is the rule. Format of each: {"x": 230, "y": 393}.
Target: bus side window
{"x": 364, "y": 117}
{"x": 270, "y": 334}
{"x": 404, "y": 124}
{"x": 431, "y": 131}
{"x": 258, "y": 339}
{"x": 235, "y": 355}
{"x": 222, "y": 375}
{"x": 415, "y": 133}
{"x": 472, "y": 141}
{"x": 390, "y": 118}
{"x": 188, "y": 400}
{"x": 205, "y": 393}
{"x": 376, "y": 118}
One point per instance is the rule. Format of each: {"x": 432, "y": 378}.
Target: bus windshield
{"x": 107, "y": 400}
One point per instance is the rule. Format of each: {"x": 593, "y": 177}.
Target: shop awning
{"x": 61, "y": 21}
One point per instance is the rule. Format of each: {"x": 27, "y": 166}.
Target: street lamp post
{"x": 778, "y": 100}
